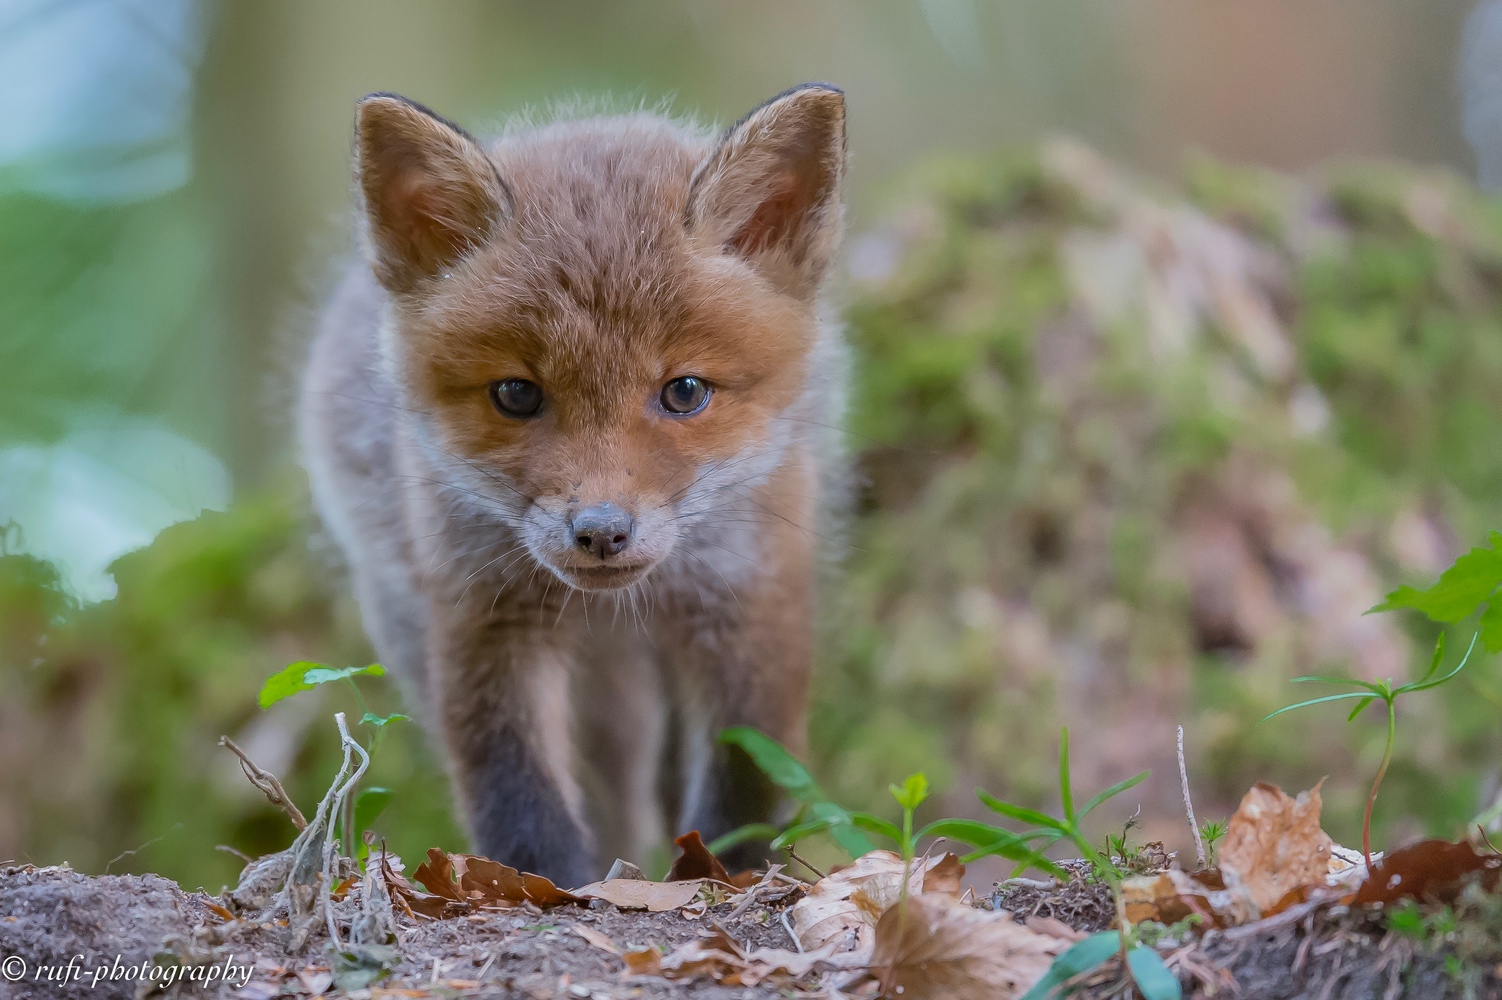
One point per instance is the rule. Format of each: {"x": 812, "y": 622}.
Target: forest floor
{"x": 65, "y": 934}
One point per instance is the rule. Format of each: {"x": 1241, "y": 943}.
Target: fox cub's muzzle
{"x": 603, "y": 530}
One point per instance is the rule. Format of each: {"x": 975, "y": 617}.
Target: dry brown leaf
{"x": 495, "y": 881}
{"x": 1429, "y": 871}
{"x": 937, "y": 948}
{"x": 696, "y": 861}
{"x": 843, "y": 907}
{"x": 634, "y": 894}
{"x": 1274, "y": 845}
{"x": 482, "y": 883}
{"x": 1172, "y": 895}
{"x": 412, "y": 900}
{"x": 597, "y": 939}
{"x": 643, "y": 962}
{"x": 720, "y": 957}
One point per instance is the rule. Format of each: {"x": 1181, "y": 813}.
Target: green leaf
{"x": 1491, "y": 627}
{"x": 1019, "y": 851}
{"x": 775, "y": 761}
{"x": 1153, "y": 979}
{"x": 851, "y": 840}
{"x": 320, "y": 674}
{"x": 286, "y": 682}
{"x": 1460, "y": 590}
{"x": 802, "y": 831}
{"x": 369, "y": 804}
{"x": 1361, "y": 706}
{"x": 1038, "y": 859}
{"x": 741, "y": 834}
{"x": 371, "y": 719}
{"x": 1436, "y": 659}
{"x": 912, "y": 793}
{"x": 1091, "y": 953}
{"x": 968, "y": 831}
{"x": 1113, "y": 791}
{"x": 1427, "y": 683}
{"x": 854, "y": 843}
{"x": 1066, "y": 793}
{"x": 1020, "y": 813}
{"x": 304, "y": 675}
{"x": 1325, "y": 679}
{"x": 877, "y": 825}
{"x": 1317, "y": 701}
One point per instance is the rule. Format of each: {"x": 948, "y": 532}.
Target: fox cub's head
{"x": 601, "y": 324}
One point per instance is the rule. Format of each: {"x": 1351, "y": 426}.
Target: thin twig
{"x": 267, "y": 783}
{"x": 789, "y": 928}
{"x": 794, "y": 855}
{"x": 138, "y": 850}
{"x": 1194, "y": 827}
{"x": 340, "y": 796}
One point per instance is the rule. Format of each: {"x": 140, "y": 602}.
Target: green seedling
{"x": 1147, "y": 970}
{"x": 1470, "y": 585}
{"x": 1211, "y": 833}
{"x": 1368, "y": 693}
{"x": 361, "y": 810}
{"x": 1151, "y": 976}
{"x": 1051, "y": 830}
{"x": 817, "y": 814}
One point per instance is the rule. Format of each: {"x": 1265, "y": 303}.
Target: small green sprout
{"x": 1212, "y": 832}
{"x": 361, "y": 810}
{"x": 817, "y": 814}
{"x": 1051, "y": 830}
{"x": 1369, "y": 693}
{"x": 849, "y": 828}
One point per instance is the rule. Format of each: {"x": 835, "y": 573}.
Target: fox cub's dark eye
{"x": 516, "y": 397}
{"x": 685, "y": 395}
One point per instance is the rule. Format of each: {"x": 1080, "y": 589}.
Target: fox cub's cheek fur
{"x": 603, "y": 463}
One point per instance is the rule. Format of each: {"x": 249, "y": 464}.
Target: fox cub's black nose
{"x": 603, "y": 530}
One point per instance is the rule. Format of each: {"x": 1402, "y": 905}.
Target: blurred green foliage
{"x": 112, "y": 711}
{"x": 1127, "y": 458}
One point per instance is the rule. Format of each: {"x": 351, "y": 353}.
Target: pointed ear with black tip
{"x": 770, "y": 191}
{"x": 431, "y": 193}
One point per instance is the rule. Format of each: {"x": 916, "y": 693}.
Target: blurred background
{"x": 1179, "y": 339}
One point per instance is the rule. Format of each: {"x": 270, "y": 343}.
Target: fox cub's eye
{"x": 516, "y": 397}
{"x": 685, "y": 395}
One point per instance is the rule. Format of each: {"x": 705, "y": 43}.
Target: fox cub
{"x": 571, "y": 424}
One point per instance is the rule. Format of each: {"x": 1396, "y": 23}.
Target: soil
{"x": 50, "y": 915}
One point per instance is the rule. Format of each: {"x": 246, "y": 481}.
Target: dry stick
{"x": 1194, "y": 827}
{"x": 340, "y": 796}
{"x": 267, "y": 783}
{"x": 794, "y": 855}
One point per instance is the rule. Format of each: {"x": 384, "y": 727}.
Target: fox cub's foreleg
{"x": 745, "y": 662}
{"x": 502, "y": 688}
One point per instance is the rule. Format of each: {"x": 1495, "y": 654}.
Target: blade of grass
{"x": 1020, "y": 813}
{"x": 1317, "y": 701}
{"x": 1424, "y": 685}
{"x": 1066, "y": 792}
{"x": 1113, "y": 791}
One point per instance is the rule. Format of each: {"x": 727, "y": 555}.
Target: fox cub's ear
{"x": 770, "y": 192}
{"x": 431, "y": 193}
